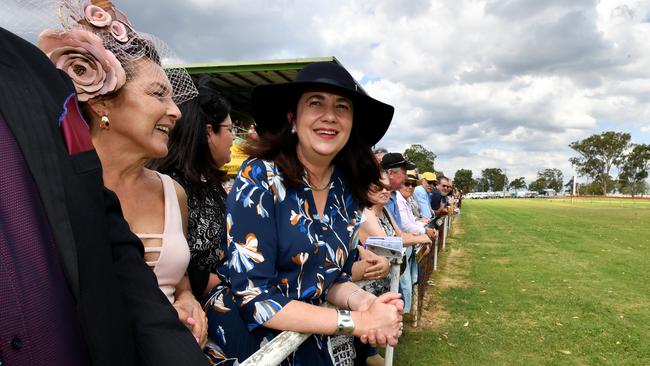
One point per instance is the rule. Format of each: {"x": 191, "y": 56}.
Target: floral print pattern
{"x": 280, "y": 249}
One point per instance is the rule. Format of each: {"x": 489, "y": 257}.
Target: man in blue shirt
{"x": 396, "y": 166}
{"x": 422, "y": 194}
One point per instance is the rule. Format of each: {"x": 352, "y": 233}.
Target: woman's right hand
{"x": 381, "y": 323}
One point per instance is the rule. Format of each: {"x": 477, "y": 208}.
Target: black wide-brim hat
{"x": 271, "y": 102}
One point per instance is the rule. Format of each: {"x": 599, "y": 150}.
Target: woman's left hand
{"x": 379, "y": 267}
{"x": 191, "y": 314}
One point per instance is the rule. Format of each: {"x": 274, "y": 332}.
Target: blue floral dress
{"x": 280, "y": 250}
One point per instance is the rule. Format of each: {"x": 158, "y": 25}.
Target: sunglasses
{"x": 410, "y": 184}
{"x": 445, "y": 186}
{"x": 380, "y": 187}
{"x": 431, "y": 181}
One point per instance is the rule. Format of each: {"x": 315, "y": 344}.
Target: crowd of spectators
{"x": 211, "y": 269}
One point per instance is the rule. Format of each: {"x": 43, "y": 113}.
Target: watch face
{"x": 439, "y": 221}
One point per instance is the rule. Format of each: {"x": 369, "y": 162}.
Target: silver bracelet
{"x": 347, "y": 301}
{"x": 344, "y": 322}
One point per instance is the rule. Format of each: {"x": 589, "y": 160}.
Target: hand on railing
{"x": 378, "y": 266}
{"x": 432, "y": 234}
{"x": 381, "y": 323}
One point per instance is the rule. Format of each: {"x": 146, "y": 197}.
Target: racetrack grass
{"x": 540, "y": 282}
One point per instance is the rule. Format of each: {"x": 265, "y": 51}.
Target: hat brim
{"x": 405, "y": 164}
{"x": 271, "y": 102}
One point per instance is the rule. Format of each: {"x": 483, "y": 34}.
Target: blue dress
{"x": 279, "y": 250}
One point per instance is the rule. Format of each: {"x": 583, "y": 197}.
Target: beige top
{"x": 174, "y": 250}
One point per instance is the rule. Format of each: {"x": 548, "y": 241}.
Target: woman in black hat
{"x": 294, "y": 212}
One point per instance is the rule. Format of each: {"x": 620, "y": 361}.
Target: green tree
{"x": 421, "y": 157}
{"x": 591, "y": 189}
{"x": 569, "y": 186}
{"x": 495, "y": 178}
{"x": 463, "y": 180}
{"x": 481, "y": 184}
{"x": 519, "y": 183}
{"x": 599, "y": 153}
{"x": 549, "y": 179}
{"x": 537, "y": 185}
{"x": 634, "y": 170}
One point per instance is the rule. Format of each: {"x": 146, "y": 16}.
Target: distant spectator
{"x": 379, "y": 154}
{"x": 412, "y": 180}
{"x": 396, "y": 167}
{"x": 410, "y": 225}
{"x": 422, "y": 193}
{"x": 438, "y": 197}
{"x": 380, "y": 223}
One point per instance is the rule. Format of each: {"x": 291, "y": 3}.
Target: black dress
{"x": 206, "y": 230}
{"x": 206, "y": 236}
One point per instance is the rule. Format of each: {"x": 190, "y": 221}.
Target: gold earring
{"x": 105, "y": 124}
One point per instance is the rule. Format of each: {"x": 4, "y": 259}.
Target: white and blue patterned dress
{"x": 280, "y": 250}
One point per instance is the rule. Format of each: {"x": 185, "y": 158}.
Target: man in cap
{"x": 412, "y": 220}
{"x": 395, "y": 166}
{"x": 422, "y": 193}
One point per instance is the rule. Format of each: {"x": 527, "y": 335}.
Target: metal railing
{"x": 287, "y": 342}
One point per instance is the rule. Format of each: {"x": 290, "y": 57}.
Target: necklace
{"x": 319, "y": 189}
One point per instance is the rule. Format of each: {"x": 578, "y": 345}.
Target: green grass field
{"x": 539, "y": 282}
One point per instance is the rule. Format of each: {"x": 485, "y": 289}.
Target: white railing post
{"x": 435, "y": 253}
{"x": 394, "y": 287}
{"x": 444, "y": 233}
{"x": 448, "y": 223}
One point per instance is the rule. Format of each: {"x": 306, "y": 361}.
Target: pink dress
{"x": 174, "y": 251}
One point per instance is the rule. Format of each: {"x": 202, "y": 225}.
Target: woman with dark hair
{"x": 294, "y": 212}
{"x": 198, "y": 147}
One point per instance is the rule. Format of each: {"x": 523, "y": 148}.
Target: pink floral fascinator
{"x": 97, "y": 46}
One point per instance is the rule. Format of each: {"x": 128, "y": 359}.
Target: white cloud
{"x": 482, "y": 83}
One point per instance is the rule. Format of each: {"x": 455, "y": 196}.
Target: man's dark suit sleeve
{"x": 161, "y": 339}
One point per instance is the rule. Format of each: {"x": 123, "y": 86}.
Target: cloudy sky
{"x": 491, "y": 83}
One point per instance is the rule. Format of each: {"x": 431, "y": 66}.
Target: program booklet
{"x": 387, "y": 246}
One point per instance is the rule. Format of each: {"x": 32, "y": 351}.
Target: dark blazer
{"x": 125, "y": 318}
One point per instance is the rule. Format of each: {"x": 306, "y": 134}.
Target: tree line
{"x": 491, "y": 179}
{"x": 495, "y": 179}
{"x": 599, "y": 154}
{"x": 598, "y": 157}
